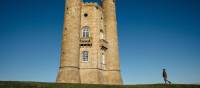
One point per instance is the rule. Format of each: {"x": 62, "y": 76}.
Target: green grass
{"x": 19, "y": 84}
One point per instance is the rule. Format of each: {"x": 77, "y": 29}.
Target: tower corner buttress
{"x": 69, "y": 62}
{"x": 112, "y": 72}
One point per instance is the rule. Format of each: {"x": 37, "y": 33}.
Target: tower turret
{"x": 112, "y": 72}
{"x": 69, "y": 64}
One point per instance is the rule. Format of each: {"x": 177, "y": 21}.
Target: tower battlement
{"x": 91, "y": 4}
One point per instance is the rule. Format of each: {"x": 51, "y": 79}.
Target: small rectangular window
{"x": 85, "y": 56}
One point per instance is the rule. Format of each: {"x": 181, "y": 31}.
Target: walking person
{"x": 165, "y": 77}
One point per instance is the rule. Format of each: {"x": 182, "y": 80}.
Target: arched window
{"x": 85, "y": 56}
{"x": 102, "y": 34}
{"x": 102, "y": 57}
{"x": 85, "y": 32}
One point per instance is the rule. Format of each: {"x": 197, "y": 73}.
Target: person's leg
{"x": 168, "y": 82}
{"x": 165, "y": 79}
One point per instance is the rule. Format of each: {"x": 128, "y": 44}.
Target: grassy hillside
{"x": 17, "y": 84}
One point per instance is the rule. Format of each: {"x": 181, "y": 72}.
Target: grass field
{"x": 18, "y": 84}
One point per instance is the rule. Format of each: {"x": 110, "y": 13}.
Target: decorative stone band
{"x": 90, "y": 68}
{"x": 69, "y": 66}
{"x": 101, "y": 69}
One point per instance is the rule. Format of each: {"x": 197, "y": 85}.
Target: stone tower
{"x": 90, "y": 44}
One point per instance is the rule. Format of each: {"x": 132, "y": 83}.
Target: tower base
{"x": 68, "y": 75}
{"x": 112, "y": 77}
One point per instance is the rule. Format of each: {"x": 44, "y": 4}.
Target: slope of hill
{"x": 19, "y": 84}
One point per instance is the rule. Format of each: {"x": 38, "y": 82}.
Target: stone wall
{"x": 73, "y": 69}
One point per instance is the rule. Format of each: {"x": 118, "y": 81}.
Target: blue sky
{"x": 153, "y": 34}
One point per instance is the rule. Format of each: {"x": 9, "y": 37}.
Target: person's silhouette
{"x": 165, "y": 77}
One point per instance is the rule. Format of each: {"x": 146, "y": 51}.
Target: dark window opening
{"x": 63, "y": 52}
{"x": 97, "y": 7}
{"x": 85, "y": 15}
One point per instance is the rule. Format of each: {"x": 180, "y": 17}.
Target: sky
{"x": 153, "y": 34}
